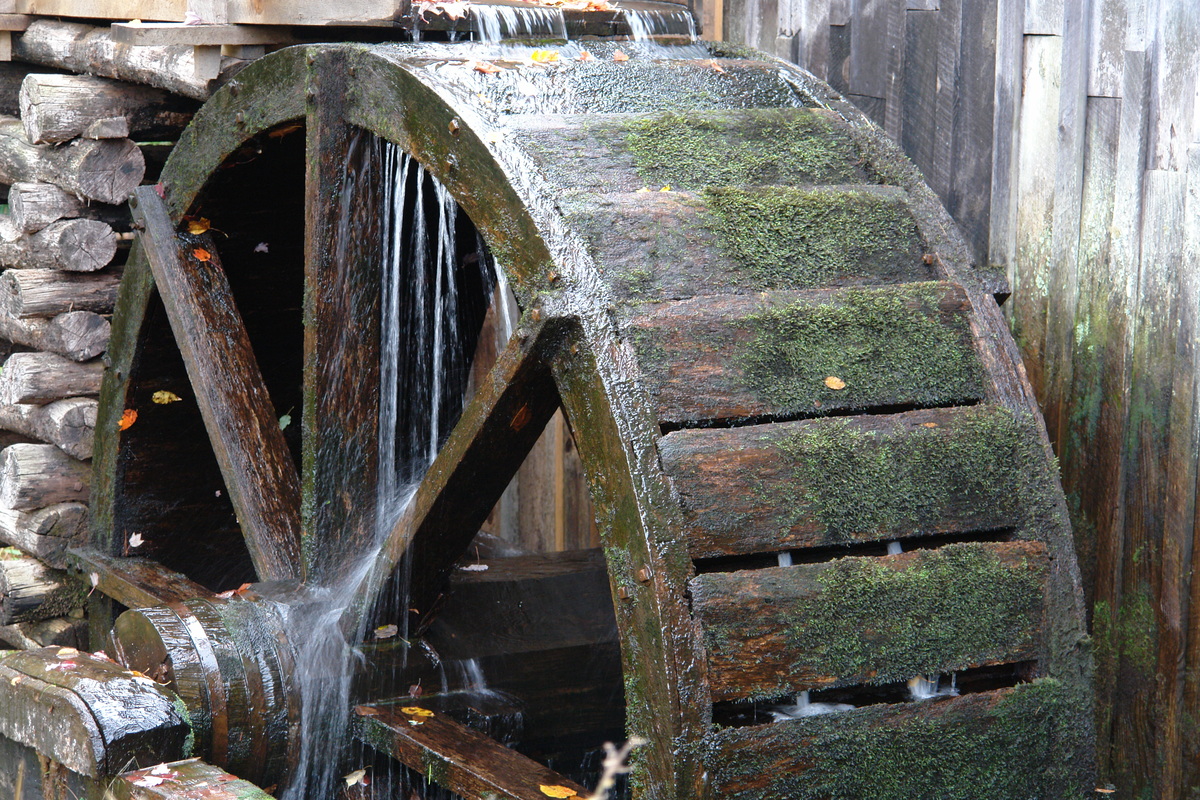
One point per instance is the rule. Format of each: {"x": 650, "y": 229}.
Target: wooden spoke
{"x": 135, "y": 582}
{"x": 482, "y": 454}
{"x": 341, "y": 333}
{"x": 242, "y": 425}
{"x": 470, "y": 764}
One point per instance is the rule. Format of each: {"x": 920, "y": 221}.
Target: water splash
{"x": 924, "y": 687}
{"x": 801, "y": 706}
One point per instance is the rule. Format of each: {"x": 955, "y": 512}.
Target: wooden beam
{"x": 242, "y": 424}
{"x": 135, "y": 582}
{"x": 142, "y": 34}
{"x": 484, "y": 451}
{"x": 457, "y": 758}
{"x": 183, "y": 780}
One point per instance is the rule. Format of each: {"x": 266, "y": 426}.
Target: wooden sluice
{"x": 759, "y": 444}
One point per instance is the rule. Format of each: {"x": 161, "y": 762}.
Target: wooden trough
{"x": 816, "y": 467}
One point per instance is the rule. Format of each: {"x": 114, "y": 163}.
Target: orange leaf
{"x": 127, "y": 419}
{"x": 556, "y": 791}
{"x": 835, "y": 383}
{"x": 620, "y": 56}
{"x": 586, "y": 56}
{"x": 201, "y": 254}
{"x": 486, "y": 67}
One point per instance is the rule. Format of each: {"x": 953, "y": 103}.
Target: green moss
{"x": 795, "y": 238}
{"x": 1008, "y": 750}
{"x": 952, "y": 606}
{"x": 1137, "y": 633}
{"x": 854, "y": 481}
{"x": 759, "y": 146}
{"x": 889, "y": 346}
{"x": 435, "y": 768}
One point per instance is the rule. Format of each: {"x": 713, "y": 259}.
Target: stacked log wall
{"x": 1063, "y": 137}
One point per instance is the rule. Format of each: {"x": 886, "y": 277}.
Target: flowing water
{"x": 644, "y": 26}
{"x": 495, "y": 23}
{"x": 429, "y": 262}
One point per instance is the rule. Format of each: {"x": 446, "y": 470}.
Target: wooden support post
{"x": 135, "y": 582}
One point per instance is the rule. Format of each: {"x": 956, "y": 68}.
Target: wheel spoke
{"x": 259, "y": 472}
{"x": 497, "y": 429}
{"x": 341, "y": 332}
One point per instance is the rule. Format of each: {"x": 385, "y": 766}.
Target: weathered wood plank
{"x": 242, "y": 423}
{"x": 728, "y": 240}
{"x": 135, "y": 582}
{"x": 1006, "y": 121}
{"x": 870, "y": 620}
{"x": 105, "y": 717}
{"x": 1106, "y": 56}
{"x": 919, "y": 81}
{"x": 183, "y": 780}
{"x": 990, "y": 744}
{"x": 1176, "y": 27}
{"x": 788, "y": 354}
{"x": 105, "y": 170}
{"x": 457, "y": 758}
{"x": 836, "y": 481}
{"x": 58, "y": 108}
{"x": 946, "y": 93}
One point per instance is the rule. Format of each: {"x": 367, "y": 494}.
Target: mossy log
{"x": 781, "y": 630}
{"x": 68, "y": 424}
{"x": 105, "y": 170}
{"x": 75, "y": 245}
{"x": 38, "y": 475}
{"x": 785, "y": 354}
{"x": 42, "y": 378}
{"x": 29, "y": 590}
{"x": 47, "y": 292}
{"x": 77, "y": 335}
{"x": 58, "y": 108}
{"x": 88, "y": 713}
{"x": 33, "y": 206}
{"x": 183, "y": 780}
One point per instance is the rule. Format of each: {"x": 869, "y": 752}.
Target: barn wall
{"x": 1063, "y": 136}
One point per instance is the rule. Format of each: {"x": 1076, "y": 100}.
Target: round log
{"x": 68, "y": 424}
{"x": 47, "y": 293}
{"x": 33, "y": 206}
{"x": 58, "y": 108}
{"x": 76, "y": 245}
{"x": 44, "y": 377}
{"x": 77, "y": 335}
{"x": 29, "y": 590}
{"x": 39, "y": 475}
{"x": 106, "y": 170}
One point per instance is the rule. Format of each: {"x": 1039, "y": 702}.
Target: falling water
{"x": 495, "y": 23}
{"x": 424, "y": 370}
{"x": 646, "y": 25}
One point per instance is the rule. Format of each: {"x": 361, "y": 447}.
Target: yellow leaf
{"x": 835, "y": 383}
{"x": 198, "y": 226}
{"x": 417, "y": 711}
{"x": 556, "y": 791}
{"x": 666, "y": 188}
{"x": 543, "y": 56}
{"x": 127, "y": 419}
{"x": 164, "y": 397}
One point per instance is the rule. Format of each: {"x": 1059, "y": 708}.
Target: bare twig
{"x": 614, "y": 764}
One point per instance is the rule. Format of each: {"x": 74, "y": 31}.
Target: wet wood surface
{"x": 183, "y": 780}
{"x": 135, "y": 582}
{"x": 457, "y": 758}
{"x": 765, "y": 628}
{"x": 242, "y": 423}
{"x": 87, "y": 712}
{"x": 774, "y": 355}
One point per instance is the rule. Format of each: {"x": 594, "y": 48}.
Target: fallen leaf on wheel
{"x": 585, "y": 56}
{"x": 136, "y": 540}
{"x": 355, "y": 777}
{"x": 386, "y": 631}
{"x": 127, "y": 419}
{"x": 486, "y": 67}
{"x": 543, "y": 56}
{"x": 201, "y": 254}
{"x": 416, "y": 711}
{"x": 835, "y": 383}
{"x": 198, "y": 225}
{"x": 149, "y": 781}
{"x": 617, "y": 56}
{"x": 163, "y": 398}
{"x": 556, "y": 791}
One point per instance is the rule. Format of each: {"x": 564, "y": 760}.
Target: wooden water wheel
{"x": 815, "y": 463}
